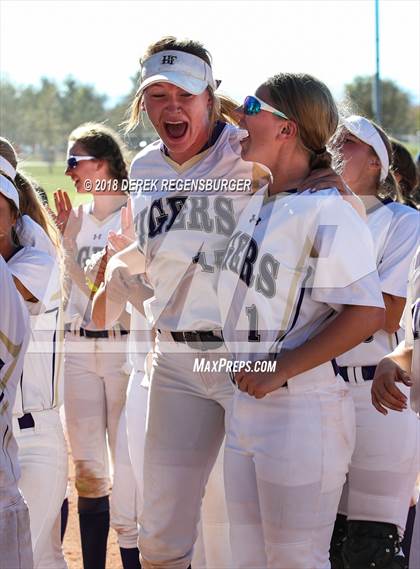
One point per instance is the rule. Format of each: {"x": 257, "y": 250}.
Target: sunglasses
{"x": 253, "y": 105}
{"x": 73, "y": 160}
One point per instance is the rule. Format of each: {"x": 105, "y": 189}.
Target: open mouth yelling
{"x": 175, "y": 130}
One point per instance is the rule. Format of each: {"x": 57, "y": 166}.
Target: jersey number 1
{"x": 251, "y": 312}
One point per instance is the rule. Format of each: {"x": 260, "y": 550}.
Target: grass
{"x": 53, "y": 180}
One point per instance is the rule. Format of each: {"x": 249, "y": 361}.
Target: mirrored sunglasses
{"x": 253, "y": 105}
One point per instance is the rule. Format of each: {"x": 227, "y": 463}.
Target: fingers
{"x": 404, "y": 377}
{"x": 67, "y": 201}
{"x": 377, "y": 405}
{"x": 386, "y": 394}
{"x": 59, "y": 201}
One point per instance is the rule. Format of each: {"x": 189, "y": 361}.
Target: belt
{"x": 357, "y": 374}
{"x": 26, "y": 421}
{"x": 95, "y": 333}
{"x": 199, "y": 339}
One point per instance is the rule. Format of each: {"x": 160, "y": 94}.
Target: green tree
{"x": 396, "y": 105}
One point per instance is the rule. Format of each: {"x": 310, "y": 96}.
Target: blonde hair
{"x": 29, "y": 201}
{"x": 223, "y": 107}
{"x": 309, "y": 103}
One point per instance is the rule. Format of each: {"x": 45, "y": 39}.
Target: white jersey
{"x": 92, "y": 238}
{"x": 183, "y": 228}
{"x": 411, "y": 325}
{"x": 292, "y": 262}
{"x": 395, "y": 230}
{"x": 41, "y": 384}
{"x": 13, "y": 340}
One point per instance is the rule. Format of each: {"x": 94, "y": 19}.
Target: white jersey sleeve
{"x": 411, "y": 324}
{"x": 41, "y": 386}
{"x": 402, "y": 239}
{"x": 13, "y": 341}
{"x": 395, "y": 231}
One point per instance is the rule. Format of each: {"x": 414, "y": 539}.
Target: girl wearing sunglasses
{"x": 182, "y": 234}
{"x": 298, "y": 287}
{"x": 96, "y": 373}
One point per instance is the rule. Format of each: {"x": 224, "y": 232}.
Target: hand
{"x": 323, "y": 179}
{"x": 63, "y": 207}
{"x": 127, "y": 222}
{"x": 384, "y": 392}
{"x": 118, "y": 241}
{"x": 259, "y": 384}
{"x": 73, "y": 224}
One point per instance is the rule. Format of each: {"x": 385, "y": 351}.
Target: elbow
{"x": 391, "y": 326}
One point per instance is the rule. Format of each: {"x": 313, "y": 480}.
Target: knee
{"x": 89, "y": 485}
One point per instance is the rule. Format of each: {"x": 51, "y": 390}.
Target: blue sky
{"x": 100, "y": 42}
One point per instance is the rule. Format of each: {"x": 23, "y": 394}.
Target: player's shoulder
{"x": 151, "y": 151}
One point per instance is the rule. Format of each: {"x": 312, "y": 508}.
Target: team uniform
{"x": 15, "y": 537}
{"x": 385, "y": 462}
{"x": 96, "y": 375}
{"x": 411, "y": 324}
{"x": 36, "y": 419}
{"x": 287, "y": 271}
{"x": 183, "y": 235}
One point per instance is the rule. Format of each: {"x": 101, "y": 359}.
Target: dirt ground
{"x": 72, "y": 547}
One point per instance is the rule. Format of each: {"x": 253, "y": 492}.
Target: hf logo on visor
{"x": 169, "y": 59}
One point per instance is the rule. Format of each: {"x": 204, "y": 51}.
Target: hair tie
{"x": 320, "y": 151}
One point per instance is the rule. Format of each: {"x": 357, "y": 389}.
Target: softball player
{"x": 15, "y": 537}
{"x": 192, "y": 187}
{"x": 36, "y": 421}
{"x": 385, "y": 463}
{"x": 96, "y": 372}
{"x": 394, "y": 368}
{"x": 292, "y": 294}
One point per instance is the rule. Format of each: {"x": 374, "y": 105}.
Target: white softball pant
{"x": 185, "y": 428}
{"x": 385, "y": 462}
{"x": 44, "y": 463}
{"x": 124, "y": 506}
{"x": 286, "y": 461}
{"x": 15, "y": 535}
{"x": 94, "y": 395}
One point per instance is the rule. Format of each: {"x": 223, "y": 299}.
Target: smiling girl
{"x": 298, "y": 287}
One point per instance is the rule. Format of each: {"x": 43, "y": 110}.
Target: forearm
{"x": 74, "y": 271}
{"x": 351, "y": 327}
{"x": 106, "y": 310}
{"x": 402, "y": 356}
{"x": 132, "y": 258}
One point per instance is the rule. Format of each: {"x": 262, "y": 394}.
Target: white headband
{"x": 179, "y": 68}
{"x": 9, "y": 190}
{"x": 7, "y": 167}
{"x": 364, "y": 130}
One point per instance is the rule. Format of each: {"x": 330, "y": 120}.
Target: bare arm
{"x": 393, "y": 368}
{"x": 25, "y": 293}
{"x": 394, "y": 308}
{"x": 119, "y": 286}
{"x": 353, "y": 325}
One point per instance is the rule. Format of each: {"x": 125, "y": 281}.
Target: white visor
{"x": 364, "y": 130}
{"x": 7, "y": 167}
{"x": 8, "y": 190}
{"x": 184, "y": 70}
